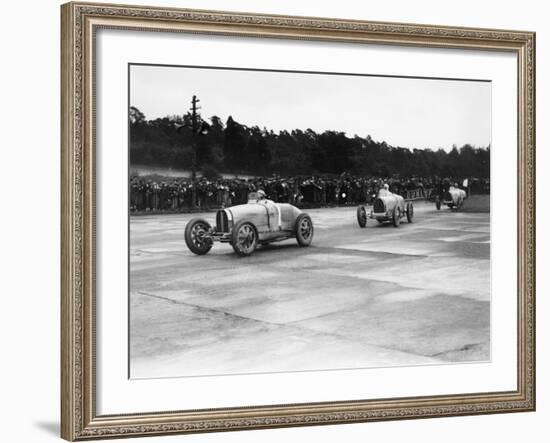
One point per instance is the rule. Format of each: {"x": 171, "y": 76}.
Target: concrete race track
{"x": 356, "y": 298}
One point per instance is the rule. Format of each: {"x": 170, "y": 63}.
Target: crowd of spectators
{"x": 150, "y": 194}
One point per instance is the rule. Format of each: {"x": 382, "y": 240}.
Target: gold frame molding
{"x": 79, "y": 21}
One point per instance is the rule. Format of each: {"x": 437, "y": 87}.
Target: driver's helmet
{"x": 384, "y": 190}
{"x": 261, "y": 194}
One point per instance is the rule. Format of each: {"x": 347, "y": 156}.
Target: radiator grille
{"x": 448, "y": 197}
{"x": 379, "y": 205}
{"x": 222, "y": 225}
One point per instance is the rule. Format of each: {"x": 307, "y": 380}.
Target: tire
{"x": 396, "y": 218}
{"x": 304, "y": 230}
{"x": 410, "y": 212}
{"x": 244, "y": 238}
{"x": 437, "y": 204}
{"x": 194, "y": 236}
{"x": 362, "y": 216}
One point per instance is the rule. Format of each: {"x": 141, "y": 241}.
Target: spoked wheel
{"x": 362, "y": 216}
{"x": 396, "y": 219}
{"x": 244, "y": 238}
{"x": 410, "y": 212}
{"x": 304, "y": 230}
{"x": 196, "y": 236}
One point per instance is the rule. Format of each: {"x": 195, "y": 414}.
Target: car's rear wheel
{"x": 410, "y": 212}
{"x": 244, "y": 238}
{"x": 304, "y": 230}
{"x": 362, "y": 216}
{"x": 196, "y": 238}
{"x": 396, "y": 219}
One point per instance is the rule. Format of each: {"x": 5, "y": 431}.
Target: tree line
{"x": 233, "y": 147}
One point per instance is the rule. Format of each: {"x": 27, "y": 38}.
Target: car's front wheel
{"x": 196, "y": 236}
{"x": 410, "y": 212}
{"x": 304, "y": 230}
{"x": 362, "y": 216}
{"x": 396, "y": 219}
{"x": 244, "y": 238}
{"x": 437, "y": 204}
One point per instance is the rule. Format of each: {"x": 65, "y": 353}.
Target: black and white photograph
{"x": 286, "y": 221}
{"x": 275, "y": 221}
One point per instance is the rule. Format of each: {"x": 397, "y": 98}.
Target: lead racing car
{"x": 453, "y": 198}
{"x": 387, "y": 206}
{"x": 259, "y": 221}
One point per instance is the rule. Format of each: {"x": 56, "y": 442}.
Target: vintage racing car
{"x": 453, "y": 198}
{"x": 386, "y": 207}
{"x": 260, "y": 221}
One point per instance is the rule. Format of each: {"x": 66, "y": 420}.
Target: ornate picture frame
{"x": 80, "y": 22}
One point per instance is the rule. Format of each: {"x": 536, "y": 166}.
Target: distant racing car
{"x": 260, "y": 221}
{"x": 453, "y": 198}
{"x": 387, "y": 206}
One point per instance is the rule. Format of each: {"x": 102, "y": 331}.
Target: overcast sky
{"x": 408, "y": 112}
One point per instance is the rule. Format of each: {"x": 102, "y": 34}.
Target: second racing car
{"x": 387, "y": 207}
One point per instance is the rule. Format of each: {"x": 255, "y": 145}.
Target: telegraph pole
{"x": 194, "y": 130}
{"x": 198, "y": 127}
